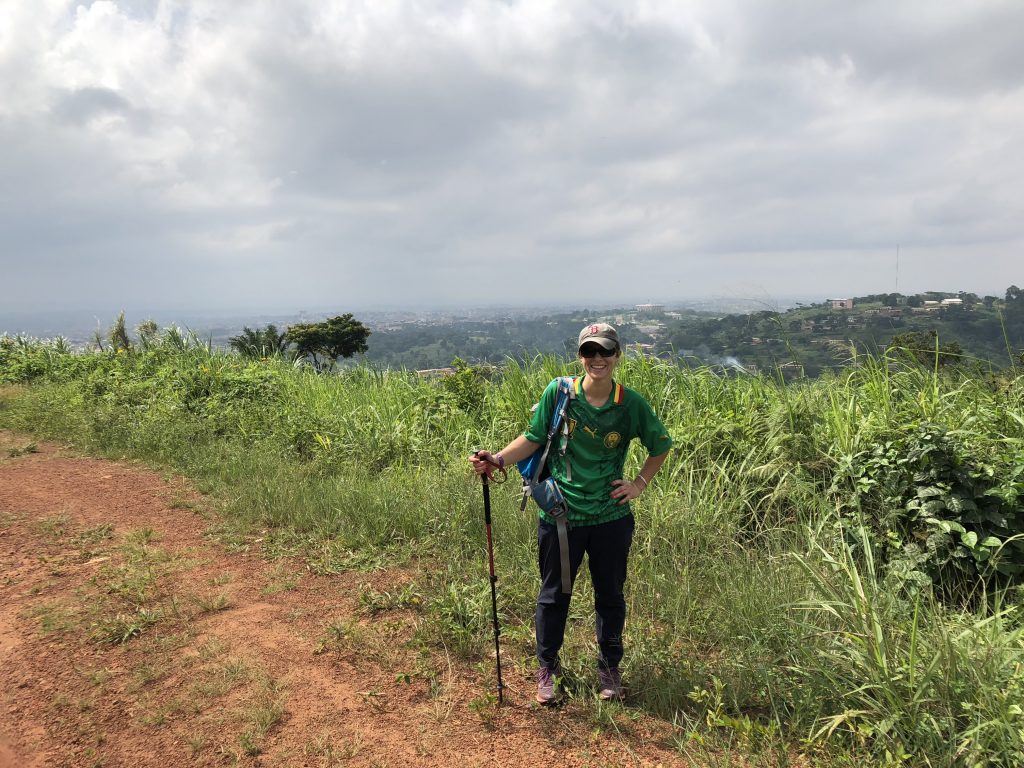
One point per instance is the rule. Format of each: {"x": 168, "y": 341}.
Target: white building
{"x": 650, "y": 309}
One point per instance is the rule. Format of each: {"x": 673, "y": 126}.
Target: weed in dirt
{"x": 374, "y": 699}
{"x": 94, "y": 535}
{"x": 329, "y": 558}
{"x": 23, "y": 450}
{"x": 143, "y": 536}
{"x": 183, "y": 504}
{"x": 372, "y": 601}
{"x": 129, "y": 582}
{"x": 220, "y": 680}
{"x": 211, "y": 648}
{"x": 234, "y": 537}
{"x": 122, "y": 627}
{"x": 266, "y": 711}
{"x": 486, "y": 708}
{"x": 222, "y": 579}
{"x": 169, "y": 710}
{"x": 341, "y": 634}
{"x": 281, "y": 579}
{"x": 196, "y": 743}
{"x": 54, "y": 527}
{"x": 98, "y": 677}
{"x": 146, "y": 673}
{"x": 212, "y": 603}
{"x": 610, "y": 717}
{"x": 235, "y": 670}
{"x": 53, "y": 617}
{"x": 249, "y": 743}
{"x": 329, "y": 753}
{"x": 84, "y": 705}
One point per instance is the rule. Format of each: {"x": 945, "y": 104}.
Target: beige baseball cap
{"x": 599, "y": 333}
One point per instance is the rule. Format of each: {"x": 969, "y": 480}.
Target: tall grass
{"x": 751, "y": 606}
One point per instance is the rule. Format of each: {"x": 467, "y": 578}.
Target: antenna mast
{"x": 897, "y": 267}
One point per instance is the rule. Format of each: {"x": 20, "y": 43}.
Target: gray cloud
{"x": 373, "y": 154}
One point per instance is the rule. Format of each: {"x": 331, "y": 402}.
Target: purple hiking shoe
{"x": 547, "y": 685}
{"x": 609, "y": 684}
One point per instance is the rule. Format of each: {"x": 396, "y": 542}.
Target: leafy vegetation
{"x": 830, "y": 566}
{"x": 810, "y": 339}
{"x": 255, "y": 344}
{"x": 324, "y": 343}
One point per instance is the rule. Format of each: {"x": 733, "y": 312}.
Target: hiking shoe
{"x": 547, "y": 685}
{"x": 609, "y": 684}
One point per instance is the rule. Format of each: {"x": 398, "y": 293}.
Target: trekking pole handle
{"x": 498, "y": 465}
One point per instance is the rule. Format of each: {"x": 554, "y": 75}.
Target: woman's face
{"x": 595, "y": 364}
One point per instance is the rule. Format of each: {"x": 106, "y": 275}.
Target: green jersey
{"x": 596, "y": 452}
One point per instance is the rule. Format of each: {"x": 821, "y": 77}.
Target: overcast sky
{"x": 358, "y": 155}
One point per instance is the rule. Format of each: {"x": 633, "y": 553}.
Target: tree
{"x": 1013, "y": 294}
{"x": 255, "y": 344}
{"x": 324, "y": 343}
{"x": 969, "y": 299}
{"x": 923, "y": 347}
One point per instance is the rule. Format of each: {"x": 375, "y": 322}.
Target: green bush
{"x": 938, "y": 513}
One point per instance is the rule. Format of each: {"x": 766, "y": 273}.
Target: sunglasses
{"x": 592, "y": 350}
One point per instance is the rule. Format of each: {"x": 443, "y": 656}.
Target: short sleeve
{"x": 540, "y": 421}
{"x": 650, "y": 430}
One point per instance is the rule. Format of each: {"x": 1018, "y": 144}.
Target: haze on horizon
{"x": 194, "y": 155}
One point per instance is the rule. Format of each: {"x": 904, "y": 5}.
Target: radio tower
{"x": 897, "y": 267}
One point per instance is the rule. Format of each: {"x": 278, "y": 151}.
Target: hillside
{"x": 828, "y": 567}
{"x": 810, "y": 339}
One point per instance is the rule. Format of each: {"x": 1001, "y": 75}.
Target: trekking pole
{"x": 494, "y": 580}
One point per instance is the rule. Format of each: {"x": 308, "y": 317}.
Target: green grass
{"x": 760, "y": 620}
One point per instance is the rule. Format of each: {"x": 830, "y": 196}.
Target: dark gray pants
{"x": 607, "y": 549}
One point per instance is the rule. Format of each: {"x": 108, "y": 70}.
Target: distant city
{"x": 795, "y": 337}
{"x": 79, "y": 326}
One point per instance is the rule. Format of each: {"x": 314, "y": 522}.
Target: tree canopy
{"x": 924, "y": 347}
{"x": 325, "y": 342}
{"x": 256, "y": 344}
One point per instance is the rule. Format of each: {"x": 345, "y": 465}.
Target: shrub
{"x": 937, "y": 513}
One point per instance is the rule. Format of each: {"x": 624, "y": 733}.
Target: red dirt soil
{"x": 238, "y": 665}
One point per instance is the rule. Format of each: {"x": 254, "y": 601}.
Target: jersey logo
{"x": 612, "y": 439}
{"x": 590, "y": 431}
{"x": 572, "y": 426}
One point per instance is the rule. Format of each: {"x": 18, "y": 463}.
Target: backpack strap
{"x": 566, "y": 392}
{"x": 563, "y": 442}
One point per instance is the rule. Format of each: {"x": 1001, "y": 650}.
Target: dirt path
{"x": 130, "y": 635}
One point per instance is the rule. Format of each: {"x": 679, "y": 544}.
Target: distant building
{"x": 952, "y": 302}
{"x": 435, "y": 373}
{"x": 650, "y": 309}
{"x": 841, "y": 303}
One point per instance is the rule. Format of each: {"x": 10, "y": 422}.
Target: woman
{"x": 602, "y": 419}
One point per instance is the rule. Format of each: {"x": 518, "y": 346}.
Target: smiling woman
{"x": 595, "y": 519}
